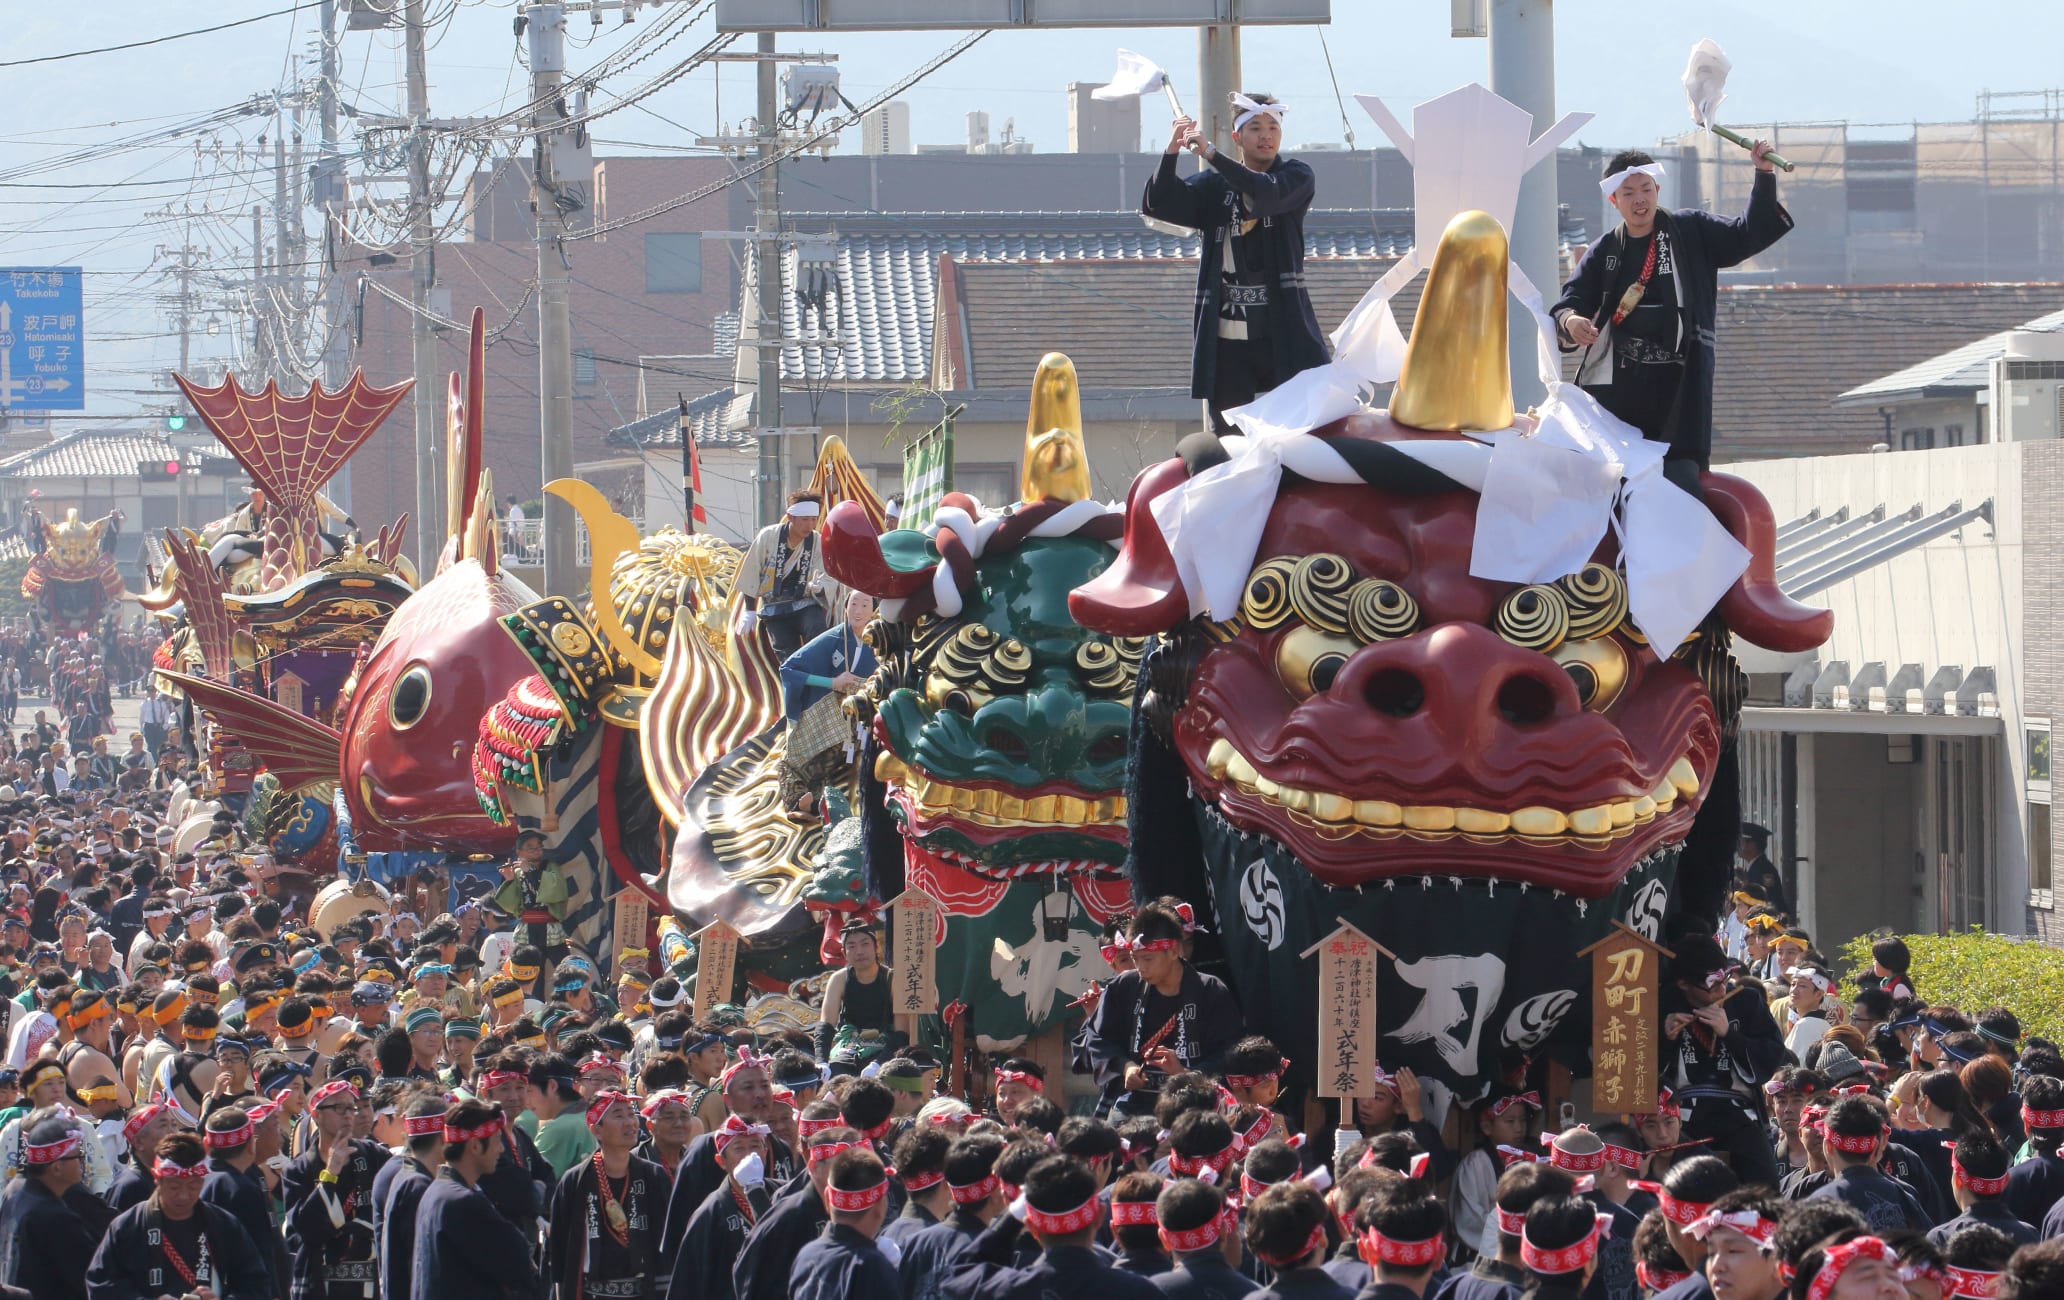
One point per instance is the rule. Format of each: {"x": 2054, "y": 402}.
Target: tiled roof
{"x": 1960, "y": 369}
{"x": 713, "y": 416}
{"x": 886, "y": 265}
{"x": 1785, "y": 354}
{"x": 97, "y": 453}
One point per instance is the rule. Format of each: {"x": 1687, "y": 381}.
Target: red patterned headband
{"x": 662, "y": 1099}
{"x": 2042, "y": 1118}
{"x": 1205, "y": 1235}
{"x": 1973, "y": 1282}
{"x": 1531, "y": 1099}
{"x": 854, "y": 1201}
{"x": 746, "y": 1061}
{"x": 734, "y": 1128}
{"x": 812, "y": 1127}
{"x": 1681, "y": 1213}
{"x": 922, "y": 1182}
{"x": 828, "y": 1150}
{"x": 1589, "y": 1162}
{"x": 599, "y": 1107}
{"x": 1510, "y": 1156}
{"x": 1134, "y": 1214}
{"x": 1837, "y": 1260}
{"x": 1980, "y": 1186}
{"x": 1510, "y": 1224}
{"x": 236, "y": 1137}
{"x": 1402, "y": 1254}
{"x": 1032, "y": 1081}
{"x": 139, "y": 1120}
{"x": 1256, "y": 1080}
{"x": 1063, "y": 1224}
{"x": 487, "y": 1130}
{"x": 600, "y": 1064}
{"x": 1564, "y": 1259}
{"x": 332, "y": 1090}
{"x": 1624, "y": 1157}
{"x": 1316, "y": 1241}
{"x": 501, "y": 1078}
{"x": 1747, "y": 1222}
{"x": 1192, "y": 1166}
{"x": 259, "y": 1112}
{"x": 1153, "y": 945}
{"x": 878, "y": 1132}
{"x": 422, "y": 1126}
{"x": 1256, "y": 1132}
{"x": 1861, "y": 1145}
{"x": 1658, "y": 1279}
{"x": 163, "y": 1169}
{"x": 50, "y": 1153}
{"x": 973, "y": 1193}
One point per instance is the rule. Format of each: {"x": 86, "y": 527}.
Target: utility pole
{"x": 259, "y": 305}
{"x": 547, "y": 36}
{"x": 325, "y": 195}
{"x": 1218, "y": 76}
{"x": 430, "y": 508}
{"x": 1522, "y": 40}
{"x": 767, "y": 294}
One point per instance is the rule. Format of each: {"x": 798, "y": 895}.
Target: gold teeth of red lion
{"x": 1338, "y": 816}
{"x": 989, "y": 806}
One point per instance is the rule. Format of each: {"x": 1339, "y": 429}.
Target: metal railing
{"x": 524, "y": 542}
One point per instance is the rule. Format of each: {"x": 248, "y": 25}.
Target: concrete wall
{"x": 1958, "y": 600}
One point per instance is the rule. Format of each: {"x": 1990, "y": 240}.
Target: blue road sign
{"x": 42, "y": 352}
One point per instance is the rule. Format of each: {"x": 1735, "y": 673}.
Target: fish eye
{"x": 410, "y": 699}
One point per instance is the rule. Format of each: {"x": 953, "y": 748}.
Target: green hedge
{"x": 1976, "y": 970}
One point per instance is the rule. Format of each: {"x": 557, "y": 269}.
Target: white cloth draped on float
{"x": 1548, "y": 496}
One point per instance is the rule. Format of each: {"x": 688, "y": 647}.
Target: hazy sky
{"x": 1890, "y": 61}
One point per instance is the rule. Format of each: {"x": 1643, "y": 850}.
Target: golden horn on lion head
{"x": 1056, "y": 462}
{"x": 1457, "y": 375}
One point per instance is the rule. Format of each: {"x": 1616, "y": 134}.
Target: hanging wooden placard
{"x": 913, "y": 956}
{"x": 716, "y": 962}
{"x": 1626, "y": 970}
{"x": 633, "y": 913}
{"x": 1346, "y": 1066}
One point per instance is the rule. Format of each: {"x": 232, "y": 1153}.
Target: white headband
{"x": 1611, "y": 184}
{"x": 1813, "y": 976}
{"x": 805, "y": 510}
{"x": 1250, "y": 109}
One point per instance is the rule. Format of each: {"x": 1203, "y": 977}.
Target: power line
{"x": 158, "y": 40}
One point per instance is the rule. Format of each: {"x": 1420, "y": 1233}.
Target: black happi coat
{"x": 331, "y": 1227}
{"x": 843, "y": 1264}
{"x": 401, "y": 1186}
{"x": 1719, "y": 1086}
{"x": 700, "y": 1174}
{"x": 929, "y": 1255}
{"x": 243, "y": 1194}
{"x": 132, "y": 1186}
{"x": 792, "y": 1222}
{"x": 576, "y": 1223}
{"x": 1702, "y": 244}
{"x": 1204, "y": 1275}
{"x": 1885, "y": 1203}
{"x": 131, "y": 1265}
{"x": 1210, "y": 201}
{"x": 709, "y": 1248}
{"x": 44, "y": 1244}
{"x": 1210, "y": 1025}
{"x": 521, "y": 1185}
{"x": 465, "y": 1249}
{"x": 985, "y": 1271}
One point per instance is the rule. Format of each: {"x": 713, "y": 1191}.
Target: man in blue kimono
{"x": 465, "y": 1249}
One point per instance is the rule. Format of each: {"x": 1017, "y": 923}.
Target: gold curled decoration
{"x": 1319, "y": 587}
{"x": 701, "y": 708}
{"x": 1533, "y": 618}
{"x": 609, "y": 536}
{"x": 1380, "y": 610}
{"x": 1597, "y": 600}
{"x": 1266, "y": 604}
{"x": 1056, "y": 463}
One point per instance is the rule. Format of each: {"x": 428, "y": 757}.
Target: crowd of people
{"x": 205, "y": 1097}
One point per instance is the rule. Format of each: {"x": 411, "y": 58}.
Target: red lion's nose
{"x": 1468, "y": 686}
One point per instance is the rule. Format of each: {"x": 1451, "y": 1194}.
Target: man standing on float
{"x": 1642, "y": 305}
{"x": 1254, "y": 321}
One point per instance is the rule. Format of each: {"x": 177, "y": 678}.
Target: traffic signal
{"x": 160, "y": 471}
{"x": 174, "y": 423}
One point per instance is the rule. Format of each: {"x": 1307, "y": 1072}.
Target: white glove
{"x": 1343, "y": 1138}
{"x": 1020, "y": 1208}
{"x": 748, "y": 619}
{"x": 890, "y": 1250}
{"x": 751, "y": 1171}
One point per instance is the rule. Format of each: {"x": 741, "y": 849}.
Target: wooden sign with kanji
{"x": 1346, "y": 1066}
{"x": 633, "y": 914}
{"x": 913, "y": 956}
{"x": 1626, "y": 1032}
{"x": 716, "y": 962}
